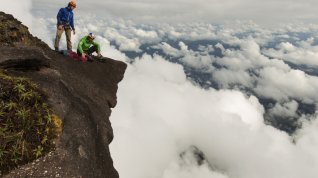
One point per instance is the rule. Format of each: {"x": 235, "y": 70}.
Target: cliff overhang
{"x": 81, "y": 94}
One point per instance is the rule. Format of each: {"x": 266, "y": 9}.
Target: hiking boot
{"x": 65, "y": 52}
{"x": 99, "y": 58}
{"x": 90, "y": 58}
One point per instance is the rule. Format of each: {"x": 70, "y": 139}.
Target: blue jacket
{"x": 65, "y": 17}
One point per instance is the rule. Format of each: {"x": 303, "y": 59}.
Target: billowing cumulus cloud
{"x": 305, "y": 53}
{"x": 287, "y": 109}
{"x": 281, "y": 84}
{"x": 180, "y": 106}
{"x": 225, "y": 125}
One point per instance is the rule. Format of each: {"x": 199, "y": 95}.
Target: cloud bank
{"x": 168, "y": 114}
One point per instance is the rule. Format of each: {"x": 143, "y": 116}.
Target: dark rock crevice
{"x": 31, "y": 64}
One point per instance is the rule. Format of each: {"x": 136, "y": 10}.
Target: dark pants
{"x": 89, "y": 51}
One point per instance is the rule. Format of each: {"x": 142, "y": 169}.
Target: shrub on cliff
{"x": 27, "y": 126}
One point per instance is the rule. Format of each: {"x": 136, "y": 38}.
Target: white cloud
{"x": 287, "y": 109}
{"x": 169, "y": 103}
{"x": 145, "y": 34}
{"x": 160, "y": 114}
{"x": 124, "y": 43}
{"x": 168, "y": 49}
{"x": 226, "y": 78}
{"x": 287, "y": 47}
{"x": 280, "y": 85}
{"x": 304, "y": 54}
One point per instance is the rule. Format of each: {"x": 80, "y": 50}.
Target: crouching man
{"x": 87, "y": 46}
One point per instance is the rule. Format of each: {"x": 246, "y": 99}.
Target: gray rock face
{"x": 81, "y": 94}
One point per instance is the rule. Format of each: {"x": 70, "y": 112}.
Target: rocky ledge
{"x": 81, "y": 94}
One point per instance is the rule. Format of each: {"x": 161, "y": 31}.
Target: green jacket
{"x": 84, "y": 45}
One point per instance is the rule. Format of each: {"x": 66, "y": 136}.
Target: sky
{"x": 270, "y": 12}
{"x": 210, "y": 85}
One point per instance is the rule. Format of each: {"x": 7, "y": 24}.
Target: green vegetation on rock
{"x": 27, "y": 126}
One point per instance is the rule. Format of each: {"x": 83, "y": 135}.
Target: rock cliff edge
{"x": 81, "y": 94}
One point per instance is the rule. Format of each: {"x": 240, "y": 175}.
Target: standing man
{"x": 65, "y": 22}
